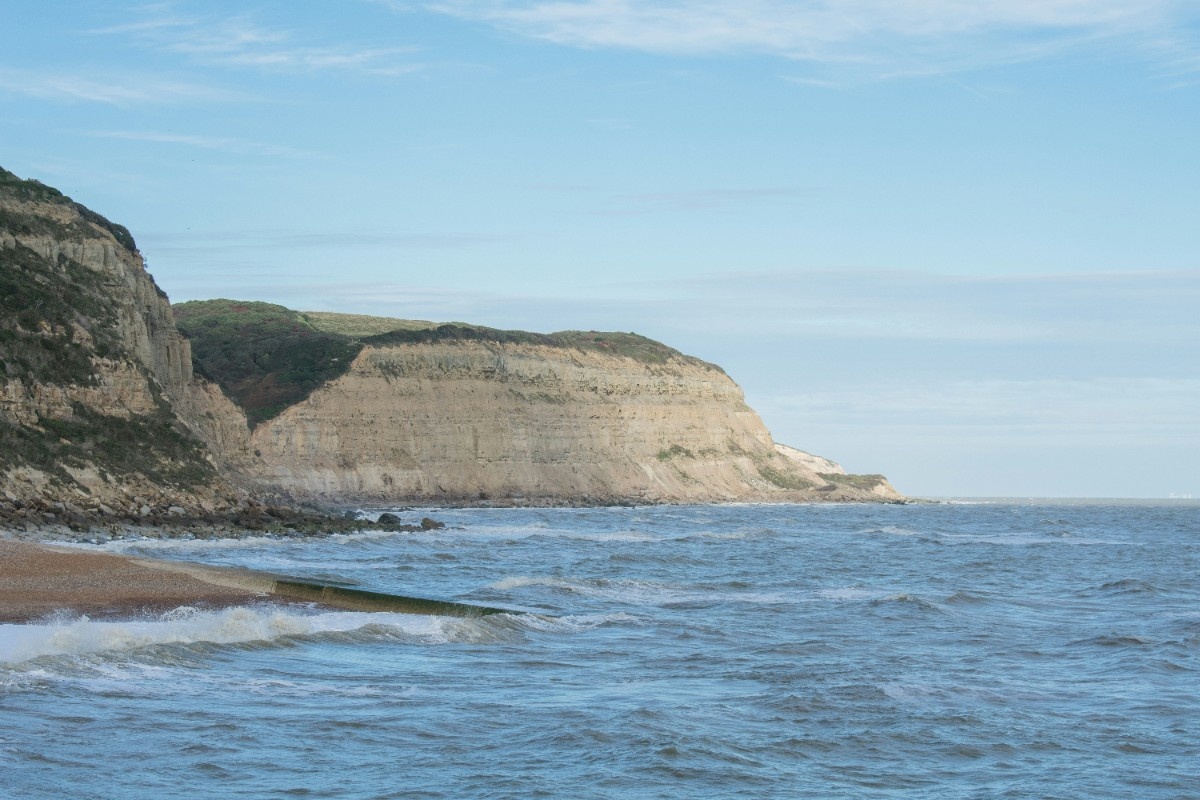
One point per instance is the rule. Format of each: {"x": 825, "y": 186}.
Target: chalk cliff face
{"x": 98, "y": 401}
{"x": 502, "y": 421}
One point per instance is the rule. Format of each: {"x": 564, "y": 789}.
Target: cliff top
{"x": 627, "y": 345}
{"x": 387, "y": 330}
{"x": 362, "y": 325}
{"x": 23, "y": 210}
{"x": 268, "y": 357}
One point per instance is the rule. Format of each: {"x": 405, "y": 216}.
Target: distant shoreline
{"x": 1080, "y": 501}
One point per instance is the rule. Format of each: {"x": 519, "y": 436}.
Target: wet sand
{"x": 39, "y": 580}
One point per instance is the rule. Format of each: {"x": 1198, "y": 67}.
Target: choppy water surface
{"x": 992, "y": 650}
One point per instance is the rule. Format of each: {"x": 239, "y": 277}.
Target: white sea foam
{"x": 951, "y": 693}
{"x": 637, "y": 592}
{"x": 608, "y": 536}
{"x": 20, "y": 643}
{"x": 893, "y": 530}
{"x": 849, "y": 593}
{"x": 230, "y": 543}
{"x": 1028, "y": 540}
{"x": 633, "y": 591}
{"x": 517, "y": 583}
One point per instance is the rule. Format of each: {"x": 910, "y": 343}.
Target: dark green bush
{"x": 266, "y": 357}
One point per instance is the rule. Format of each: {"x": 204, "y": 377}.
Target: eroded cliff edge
{"x": 105, "y": 408}
{"x": 100, "y": 409}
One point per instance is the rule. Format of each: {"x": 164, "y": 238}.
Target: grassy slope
{"x": 361, "y": 325}
{"x": 266, "y": 357}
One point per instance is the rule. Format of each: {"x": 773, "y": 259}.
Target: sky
{"x": 952, "y": 241}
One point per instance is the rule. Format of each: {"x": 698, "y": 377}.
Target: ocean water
{"x": 993, "y": 650}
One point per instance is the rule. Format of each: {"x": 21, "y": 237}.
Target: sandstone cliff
{"x": 106, "y": 408}
{"x": 99, "y": 408}
{"x": 415, "y": 411}
{"x": 463, "y": 420}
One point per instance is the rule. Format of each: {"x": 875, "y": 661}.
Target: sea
{"x": 990, "y": 649}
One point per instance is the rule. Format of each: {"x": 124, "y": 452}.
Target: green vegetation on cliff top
{"x": 386, "y": 330}
{"x": 267, "y": 357}
{"x": 16, "y": 221}
{"x": 361, "y": 325}
{"x": 865, "y": 482}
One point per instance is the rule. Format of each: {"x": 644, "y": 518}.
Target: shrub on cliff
{"x": 32, "y": 191}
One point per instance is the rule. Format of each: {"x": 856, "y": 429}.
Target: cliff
{"x": 477, "y": 420}
{"x": 455, "y": 413}
{"x": 112, "y": 403}
{"x": 99, "y": 408}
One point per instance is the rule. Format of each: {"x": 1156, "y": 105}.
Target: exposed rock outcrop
{"x": 463, "y": 420}
{"x": 99, "y": 406}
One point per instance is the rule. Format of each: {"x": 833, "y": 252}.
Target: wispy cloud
{"x": 882, "y": 37}
{"x": 239, "y": 41}
{"x": 122, "y": 90}
{"x": 214, "y": 242}
{"x": 221, "y": 143}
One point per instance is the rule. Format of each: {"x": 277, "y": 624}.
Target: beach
{"x": 38, "y": 580}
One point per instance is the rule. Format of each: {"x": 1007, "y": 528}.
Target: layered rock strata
{"x": 100, "y": 410}
{"x": 468, "y": 421}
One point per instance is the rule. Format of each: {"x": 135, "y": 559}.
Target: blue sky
{"x": 955, "y": 242}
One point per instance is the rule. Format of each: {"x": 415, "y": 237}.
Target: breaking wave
{"x": 644, "y": 593}
{"x": 263, "y": 626}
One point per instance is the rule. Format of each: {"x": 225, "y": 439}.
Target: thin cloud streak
{"x": 239, "y": 42}
{"x": 850, "y": 308}
{"x": 224, "y": 242}
{"x": 636, "y": 203}
{"x": 1028, "y": 413}
{"x": 857, "y": 304}
{"x": 120, "y": 90}
{"x": 220, "y": 143}
{"x": 884, "y": 37}
{"x": 713, "y": 198}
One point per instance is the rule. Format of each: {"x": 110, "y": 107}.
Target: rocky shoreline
{"x": 53, "y": 520}
{"x": 50, "y": 520}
